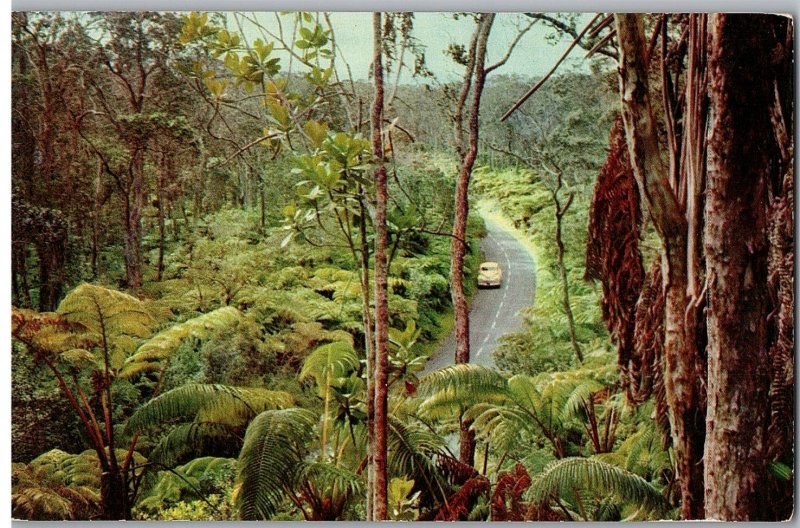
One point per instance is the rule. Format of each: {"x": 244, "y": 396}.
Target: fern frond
{"x": 411, "y": 454}
{"x": 195, "y": 438}
{"x": 271, "y": 458}
{"x": 563, "y": 476}
{"x": 163, "y": 344}
{"x": 95, "y": 307}
{"x": 328, "y": 477}
{"x": 332, "y": 360}
{"x": 580, "y": 394}
{"x": 456, "y": 386}
{"x": 211, "y": 403}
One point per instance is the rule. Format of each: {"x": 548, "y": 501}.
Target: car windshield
{"x": 488, "y": 267}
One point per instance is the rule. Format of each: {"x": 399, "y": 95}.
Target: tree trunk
{"x": 21, "y": 270}
{"x": 98, "y": 204}
{"x": 684, "y": 365}
{"x": 380, "y": 506}
{"x": 165, "y": 165}
{"x": 369, "y": 346}
{"x": 736, "y": 246}
{"x": 114, "y": 496}
{"x": 458, "y": 246}
{"x": 133, "y": 234}
{"x": 561, "y": 210}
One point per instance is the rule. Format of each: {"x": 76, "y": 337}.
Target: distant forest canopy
{"x": 231, "y": 263}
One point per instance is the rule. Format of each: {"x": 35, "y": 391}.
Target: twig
{"x": 538, "y": 85}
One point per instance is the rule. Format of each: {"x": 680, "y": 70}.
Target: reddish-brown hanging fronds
{"x": 507, "y": 504}
{"x": 461, "y": 502}
{"x": 455, "y": 471}
{"x": 612, "y": 247}
{"x": 542, "y": 512}
{"x": 643, "y": 373}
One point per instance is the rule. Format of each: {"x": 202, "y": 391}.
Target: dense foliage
{"x": 194, "y": 276}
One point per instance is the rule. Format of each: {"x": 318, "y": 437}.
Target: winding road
{"x": 493, "y": 312}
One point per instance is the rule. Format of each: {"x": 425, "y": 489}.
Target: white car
{"x": 490, "y": 275}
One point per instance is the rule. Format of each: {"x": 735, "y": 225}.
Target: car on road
{"x": 490, "y": 275}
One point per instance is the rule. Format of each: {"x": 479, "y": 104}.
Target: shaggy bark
{"x": 736, "y": 249}
{"x": 683, "y": 362}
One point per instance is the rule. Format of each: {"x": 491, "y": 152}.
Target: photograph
{"x": 401, "y": 266}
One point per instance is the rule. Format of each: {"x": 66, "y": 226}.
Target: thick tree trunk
{"x": 380, "y": 456}
{"x": 736, "y": 249}
{"x": 114, "y": 496}
{"x": 684, "y": 365}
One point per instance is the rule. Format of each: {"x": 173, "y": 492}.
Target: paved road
{"x": 494, "y": 311}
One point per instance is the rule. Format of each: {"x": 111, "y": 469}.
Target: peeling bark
{"x": 683, "y": 362}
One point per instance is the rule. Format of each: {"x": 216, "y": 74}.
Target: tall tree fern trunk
{"x": 380, "y": 506}
{"x": 736, "y": 245}
{"x": 114, "y": 496}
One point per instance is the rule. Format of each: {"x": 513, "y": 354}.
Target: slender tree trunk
{"x": 736, "y": 249}
{"x": 369, "y": 346}
{"x": 262, "y": 194}
{"x": 561, "y": 210}
{"x": 684, "y": 365}
{"x": 98, "y": 204}
{"x": 133, "y": 235}
{"x": 459, "y": 235}
{"x": 165, "y": 166}
{"x": 21, "y": 270}
{"x": 380, "y": 506}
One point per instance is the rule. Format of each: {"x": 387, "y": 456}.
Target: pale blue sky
{"x": 534, "y": 54}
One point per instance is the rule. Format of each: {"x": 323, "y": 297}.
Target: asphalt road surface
{"x": 493, "y": 312}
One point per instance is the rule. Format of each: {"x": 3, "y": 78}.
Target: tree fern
{"x": 50, "y": 334}
{"x": 504, "y": 409}
{"x": 327, "y": 477}
{"x": 597, "y": 479}
{"x": 117, "y": 317}
{"x": 58, "y": 486}
{"x": 271, "y": 459}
